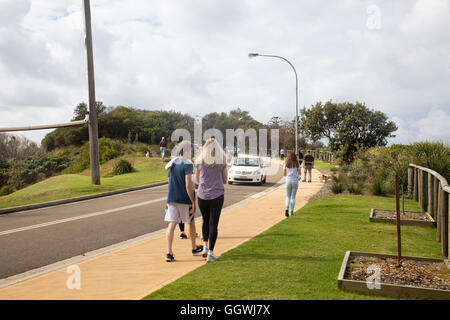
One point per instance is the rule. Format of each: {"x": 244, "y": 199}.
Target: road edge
{"x": 77, "y": 199}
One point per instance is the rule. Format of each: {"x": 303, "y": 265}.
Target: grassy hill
{"x": 147, "y": 170}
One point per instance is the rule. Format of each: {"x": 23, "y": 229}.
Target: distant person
{"x": 180, "y": 197}
{"x": 147, "y": 154}
{"x": 211, "y": 176}
{"x": 282, "y": 154}
{"x": 300, "y": 157}
{"x": 291, "y": 170}
{"x": 163, "y": 147}
{"x": 308, "y": 164}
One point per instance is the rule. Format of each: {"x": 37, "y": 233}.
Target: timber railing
{"x": 326, "y": 156}
{"x": 432, "y": 192}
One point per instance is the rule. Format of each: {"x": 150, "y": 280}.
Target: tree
{"x": 82, "y": 110}
{"x": 347, "y": 126}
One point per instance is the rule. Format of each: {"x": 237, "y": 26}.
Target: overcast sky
{"x": 191, "y": 56}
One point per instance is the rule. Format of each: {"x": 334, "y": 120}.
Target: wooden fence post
{"x": 438, "y": 216}
{"x": 448, "y": 224}
{"x": 430, "y": 194}
{"x": 443, "y": 211}
{"x": 410, "y": 181}
{"x": 436, "y": 198}
{"x": 423, "y": 191}
{"x": 416, "y": 184}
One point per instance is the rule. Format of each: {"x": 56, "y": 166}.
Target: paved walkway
{"x": 136, "y": 270}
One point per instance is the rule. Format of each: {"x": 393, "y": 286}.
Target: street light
{"x": 254, "y": 55}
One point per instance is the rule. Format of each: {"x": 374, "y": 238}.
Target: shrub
{"x": 122, "y": 167}
{"x": 6, "y": 190}
{"x": 338, "y": 185}
{"x": 355, "y": 188}
{"x": 32, "y": 169}
{"x": 109, "y": 149}
{"x": 377, "y": 188}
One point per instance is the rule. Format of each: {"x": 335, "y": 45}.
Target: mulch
{"x": 407, "y": 215}
{"x": 423, "y": 274}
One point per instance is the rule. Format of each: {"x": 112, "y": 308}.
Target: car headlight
{"x": 257, "y": 172}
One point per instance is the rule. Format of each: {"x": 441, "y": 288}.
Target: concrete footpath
{"x": 134, "y": 271}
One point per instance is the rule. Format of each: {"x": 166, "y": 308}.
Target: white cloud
{"x": 192, "y": 57}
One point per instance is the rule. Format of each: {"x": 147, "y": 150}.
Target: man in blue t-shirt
{"x": 181, "y": 197}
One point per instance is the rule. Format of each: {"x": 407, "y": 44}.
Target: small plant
{"x": 338, "y": 185}
{"x": 355, "y": 187}
{"x": 6, "y": 190}
{"x": 122, "y": 167}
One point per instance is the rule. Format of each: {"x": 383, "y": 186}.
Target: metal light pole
{"x": 253, "y": 55}
{"x": 93, "y": 126}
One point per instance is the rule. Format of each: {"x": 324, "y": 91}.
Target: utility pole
{"x": 93, "y": 126}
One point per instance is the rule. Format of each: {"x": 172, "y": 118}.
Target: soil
{"x": 423, "y": 274}
{"x": 407, "y": 215}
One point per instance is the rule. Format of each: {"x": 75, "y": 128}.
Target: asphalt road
{"x": 36, "y": 238}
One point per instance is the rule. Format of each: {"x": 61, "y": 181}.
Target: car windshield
{"x": 247, "y": 162}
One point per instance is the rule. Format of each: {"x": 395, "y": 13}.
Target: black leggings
{"x": 211, "y": 210}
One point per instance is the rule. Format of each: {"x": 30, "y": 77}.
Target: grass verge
{"x": 300, "y": 257}
{"x": 321, "y": 165}
{"x": 148, "y": 170}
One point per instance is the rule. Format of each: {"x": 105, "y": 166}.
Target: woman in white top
{"x": 291, "y": 171}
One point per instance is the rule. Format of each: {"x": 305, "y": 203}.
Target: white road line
{"x": 84, "y": 216}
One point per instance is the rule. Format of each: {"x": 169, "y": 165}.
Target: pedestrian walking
{"x": 282, "y": 154}
{"x": 292, "y": 171}
{"x": 308, "y": 165}
{"x": 181, "y": 197}
{"x": 163, "y": 147}
{"x": 211, "y": 176}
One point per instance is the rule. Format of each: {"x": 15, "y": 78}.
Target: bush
{"x": 338, "y": 185}
{"x": 6, "y": 190}
{"x": 32, "y": 169}
{"x": 122, "y": 167}
{"x": 109, "y": 149}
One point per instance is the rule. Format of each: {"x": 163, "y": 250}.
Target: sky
{"x": 192, "y": 57}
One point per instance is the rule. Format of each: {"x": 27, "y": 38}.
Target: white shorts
{"x": 177, "y": 212}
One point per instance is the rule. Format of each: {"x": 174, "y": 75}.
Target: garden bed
{"x": 411, "y": 218}
{"x": 416, "y": 277}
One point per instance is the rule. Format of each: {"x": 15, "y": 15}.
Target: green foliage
{"x": 109, "y": 149}
{"x": 339, "y": 183}
{"x": 121, "y": 123}
{"x": 122, "y": 167}
{"x": 381, "y": 164}
{"x": 29, "y": 170}
{"x": 6, "y": 190}
{"x": 347, "y": 126}
{"x": 82, "y": 110}
{"x": 433, "y": 155}
{"x": 377, "y": 187}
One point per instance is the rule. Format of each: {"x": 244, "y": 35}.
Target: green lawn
{"x": 300, "y": 257}
{"x": 148, "y": 170}
{"x": 321, "y": 165}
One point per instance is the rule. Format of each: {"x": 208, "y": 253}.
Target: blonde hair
{"x": 212, "y": 154}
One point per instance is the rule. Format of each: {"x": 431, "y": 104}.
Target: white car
{"x": 247, "y": 169}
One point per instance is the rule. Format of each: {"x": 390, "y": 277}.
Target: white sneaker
{"x": 205, "y": 251}
{"x": 211, "y": 257}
